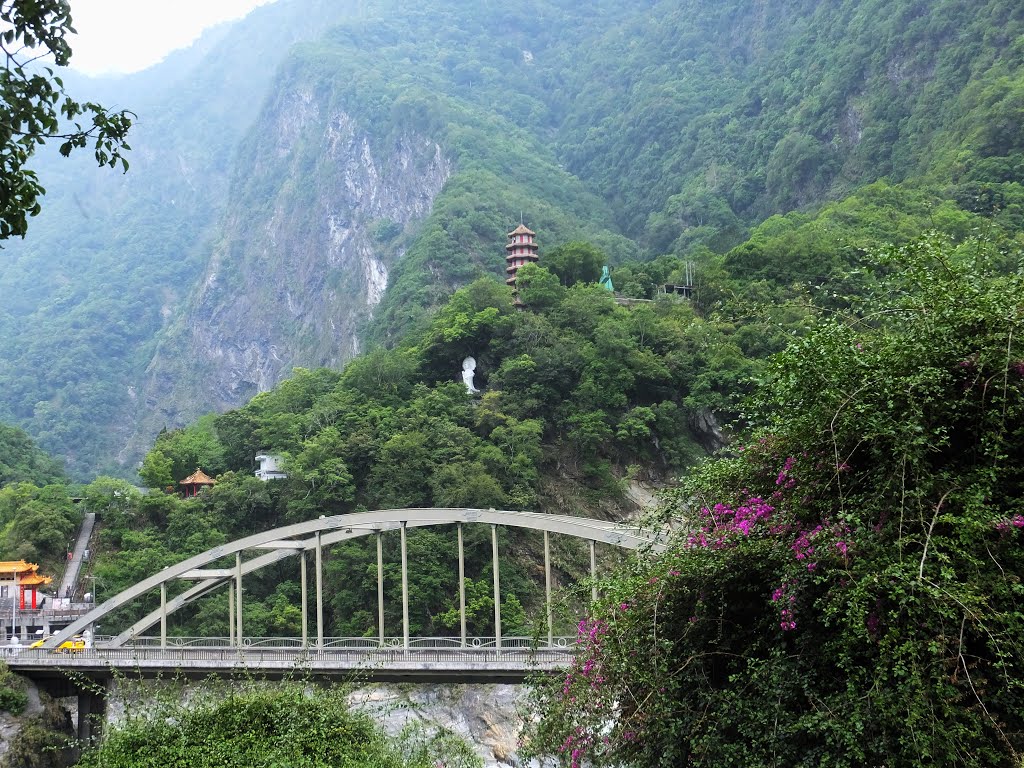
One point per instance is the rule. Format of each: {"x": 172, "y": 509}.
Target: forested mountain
{"x": 290, "y": 205}
{"x": 21, "y": 461}
{"x": 574, "y": 390}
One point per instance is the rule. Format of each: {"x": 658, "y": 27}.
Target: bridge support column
{"x": 305, "y": 598}
{"x": 319, "y": 591}
{"x": 238, "y": 598}
{"x": 380, "y": 588}
{"x": 92, "y": 706}
{"x": 547, "y": 587}
{"x": 231, "y": 613}
{"x": 497, "y": 587}
{"x": 405, "y": 592}
{"x": 163, "y": 616}
{"x": 462, "y": 589}
{"x": 593, "y": 571}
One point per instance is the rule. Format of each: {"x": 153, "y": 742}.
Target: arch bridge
{"x": 301, "y": 540}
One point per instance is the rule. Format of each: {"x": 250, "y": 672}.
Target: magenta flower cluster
{"x": 1017, "y": 521}
{"x": 803, "y": 547}
{"x": 785, "y": 477}
{"x": 590, "y": 630}
{"x": 576, "y": 744}
{"x": 785, "y": 597}
{"x": 589, "y": 633}
{"x": 723, "y": 523}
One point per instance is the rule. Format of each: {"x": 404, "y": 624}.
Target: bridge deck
{"x": 461, "y": 665}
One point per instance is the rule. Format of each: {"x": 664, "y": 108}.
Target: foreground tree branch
{"x": 34, "y": 107}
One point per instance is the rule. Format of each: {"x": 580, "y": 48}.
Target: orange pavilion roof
{"x": 198, "y": 478}
{"x": 17, "y": 566}
{"x": 26, "y": 572}
{"x": 34, "y": 580}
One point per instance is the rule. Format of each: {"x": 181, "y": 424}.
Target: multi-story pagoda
{"x": 521, "y": 250}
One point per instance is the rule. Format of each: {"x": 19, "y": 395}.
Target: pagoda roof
{"x": 198, "y": 478}
{"x": 521, "y": 230}
{"x": 26, "y": 572}
{"x": 34, "y": 580}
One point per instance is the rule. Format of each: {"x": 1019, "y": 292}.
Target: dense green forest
{"x": 578, "y": 395}
{"x": 846, "y": 587}
{"x": 660, "y": 128}
{"x": 721, "y": 118}
{"x": 37, "y": 515}
{"x": 21, "y": 461}
{"x": 845, "y": 178}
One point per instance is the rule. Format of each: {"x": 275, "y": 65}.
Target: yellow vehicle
{"x": 74, "y": 645}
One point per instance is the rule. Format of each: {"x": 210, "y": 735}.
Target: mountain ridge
{"x": 671, "y": 127}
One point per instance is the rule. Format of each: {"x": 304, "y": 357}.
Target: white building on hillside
{"x": 270, "y": 467}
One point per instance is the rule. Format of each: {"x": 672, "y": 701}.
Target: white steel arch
{"x": 313, "y": 535}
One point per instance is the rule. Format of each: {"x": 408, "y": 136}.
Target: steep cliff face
{"x": 297, "y": 272}
{"x": 112, "y": 258}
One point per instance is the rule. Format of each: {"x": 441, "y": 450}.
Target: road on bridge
{"x": 380, "y": 664}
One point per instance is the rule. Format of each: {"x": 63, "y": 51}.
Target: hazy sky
{"x": 129, "y": 35}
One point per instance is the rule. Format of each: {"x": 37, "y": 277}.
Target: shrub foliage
{"x": 259, "y": 727}
{"x": 845, "y": 588}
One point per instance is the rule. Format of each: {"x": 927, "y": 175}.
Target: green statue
{"x": 606, "y": 279}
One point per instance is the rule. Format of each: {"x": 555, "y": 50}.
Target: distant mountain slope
{"x": 271, "y": 194}
{"x": 699, "y": 118}
{"x": 111, "y": 257}
{"x": 22, "y": 462}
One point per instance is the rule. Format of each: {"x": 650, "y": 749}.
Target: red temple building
{"x": 195, "y": 482}
{"x": 22, "y": 580}
{"x": 521, "y": 250}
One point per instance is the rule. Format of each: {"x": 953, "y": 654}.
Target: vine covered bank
{"x": 846, "y": 586}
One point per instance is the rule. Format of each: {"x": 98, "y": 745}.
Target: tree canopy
{"x": 844, "y": 585}
{"x": 34, "y": 107}
{"x": 21, "y": 460}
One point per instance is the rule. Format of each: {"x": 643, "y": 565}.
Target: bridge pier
{"x": 238, "y": 597}
{"x": 319, "y": 591}
{"x": 305, "y": 598}
{"x": 547, "y": 587}
{"x": 163, "y": 615}
{"x": 92, "y": 710}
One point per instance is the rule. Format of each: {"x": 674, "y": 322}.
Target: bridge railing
{"x": 348, "y": 643}
{"x": 257, "y": 658}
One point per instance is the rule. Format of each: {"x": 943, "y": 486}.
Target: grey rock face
{"x": 488, "y": 717}
{"x": 295, "y": 275}
{"x": 708, "y": 430}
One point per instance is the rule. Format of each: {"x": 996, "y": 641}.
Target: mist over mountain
{"x": 314, "y": 179}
